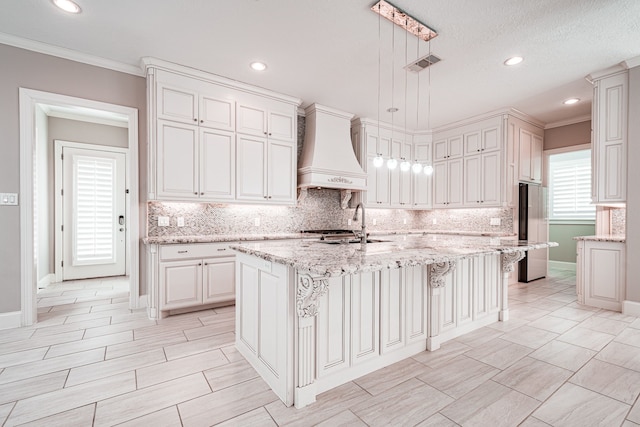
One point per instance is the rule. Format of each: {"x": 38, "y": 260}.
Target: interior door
{"x": 93, "y": 209}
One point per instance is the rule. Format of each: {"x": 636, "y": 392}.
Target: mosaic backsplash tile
{"x": 320, "y": 210}
{"x": 618, "y": 221}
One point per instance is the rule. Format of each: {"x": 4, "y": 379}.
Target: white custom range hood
{"x": 328, "y": 160}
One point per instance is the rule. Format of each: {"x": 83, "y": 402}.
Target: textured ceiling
{"x": 338, "y": 53}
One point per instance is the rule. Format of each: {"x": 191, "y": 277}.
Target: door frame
{"x": 29, "y": 99}
{"x": 59, "y": 145}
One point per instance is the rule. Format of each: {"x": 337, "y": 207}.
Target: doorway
{"x": 33, "y": 106}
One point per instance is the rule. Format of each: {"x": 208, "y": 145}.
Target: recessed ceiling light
{"x": 258, "y": 66}
{"x": 67, "y": 6}
{"x": 514, "y": 60}
{"x": 571, "y": 101}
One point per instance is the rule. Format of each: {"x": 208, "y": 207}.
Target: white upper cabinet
{"x": 214, "y": 139}
{"x": 482, "y": 140}
{"x": 448, "y": 148}
{"x": 422, "y": 183}
{"x": 609, "y": 138}
{"x": 530, "y": 156}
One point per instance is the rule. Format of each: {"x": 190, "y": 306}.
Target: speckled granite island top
{"x": 394, "y": 252}
{"x": 603, "y": 238}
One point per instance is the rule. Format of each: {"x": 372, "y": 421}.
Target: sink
{"x": 345, "y": 241}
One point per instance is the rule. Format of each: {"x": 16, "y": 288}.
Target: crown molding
{"x": 73, "y": 55}
{"x": 568, "y": 122}
{"x": 632, "y": 62}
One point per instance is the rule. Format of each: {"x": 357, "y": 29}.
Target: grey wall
{"x": 566, "y": 136}
{"x": 563, "y": 234}
{"x": 633, "y": 188}
{"x": 22, "y": 68}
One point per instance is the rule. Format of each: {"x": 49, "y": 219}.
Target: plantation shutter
{"x": 570, "y": 186}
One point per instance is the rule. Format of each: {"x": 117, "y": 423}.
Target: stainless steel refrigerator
{"x": 533, "y": 225}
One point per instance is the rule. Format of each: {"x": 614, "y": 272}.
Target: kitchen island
{"x": 311, "y": 315}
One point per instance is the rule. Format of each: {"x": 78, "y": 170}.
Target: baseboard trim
{"x": 10, "y": 320}
{"x": 562, "y": 265}
{"x": 46, "y": 280}
{"x": 631, "y": 308}
{"x": 142, "y": 301}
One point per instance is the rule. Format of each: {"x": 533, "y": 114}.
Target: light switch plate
{"x": 180, "y": 221}
{"x": 163, "y": 221}
{"x": 435, "y": 221}
{"x": 10, "y": 199}
{"x": 256, "y": 222}
{"x": 495, "y": 221}
{"x": 375, "y": 221}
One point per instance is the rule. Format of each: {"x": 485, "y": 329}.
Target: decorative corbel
{"x": 345, "y": 196}
{"x": 509, "y": 260}
{"x": 438, "y": 271}
{"x": 308, "y": 294}
{"x": 302, "y": 195}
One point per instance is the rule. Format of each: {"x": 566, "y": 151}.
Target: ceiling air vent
{"x": 422, "y": 63}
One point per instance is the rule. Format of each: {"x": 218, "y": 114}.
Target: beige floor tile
{"x": 89, "y": 302}
{"x": 628, "y": 423}
{"x": 129, "y": 317}
{"x": 635, "y": 324}
{"x": 619, "y": 354}
{"x": 616, "y": 316}
{"x": 634, "y": 414}
{"x": 508, "y": 326}
{"x": 112, "y": 307}
{"x": 75, "y": 318}
{"x": 138, "y": 346}
{"x": 407, "y": 403}
{"x": 443, "y": 355}
{"x": 568, "y": 297}
{"x": 230, "y": 374}
{"x": 437, "y": 420}
{"x": 120, "y": 327}
{"x": 210, "y": 330}
{"x": 88, "y": 344}
{"x": 587, "y": 338}
{"x": 260, "y": 418}
{"x": 574, "y": 314}
{"x": 529, "y": 337}
{"x": 546, "y": 304}
{"x": 18, "y": 334}
{"x": 162, "y": 329}
{"x": 613, "y": 381}
{"x": 533, "y": 377}
{"x": 29, "y": 387}
{"x": 491, "y": 404}
{"x": 111, "y": 367}
{"x": 603, "y": 324}
{"x": 553, "y": 324}
{"x": 79, "y": 292}
{"x": 28, "y": 344}
{"x": 188, "y": 348}
{"x": 41, "y": 367}
{"x": 530, "y": 313}
{"x": 479, "y": 337}
{"x": 533, "y": 422}
{"x": 499, "y": 353}
{"x": 563, "y": 355}
{"x": 56, "y": 301}
{"x": 327, "y": 405}
{"x": 82, "y": 416}
{"x": 5, "y": 410}
{"x": 572, "y": 405}
{"x": 177, "y": 368}
{"x": 459, "y": 376}
{"x": 629, "y": 336}
{"x": 217, "y": 318}
{"x": 59, "y": 329}
{"x": 134, "y": 404}
{"x": 21, "y": 357}
{"x": 168, "y": 417}
{"x": 46, "y": 404}
{"x": 226, "y": 404}
{"x": 390, "y": 376}
{"x": 68, "y": 312}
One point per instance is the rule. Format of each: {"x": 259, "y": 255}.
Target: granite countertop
{"x": 603, "y": 238}
{"x": 396, "y": 251}
{"x": 213, "y": 238}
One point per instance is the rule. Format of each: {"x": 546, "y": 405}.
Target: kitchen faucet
{"x": 363, "y": 236}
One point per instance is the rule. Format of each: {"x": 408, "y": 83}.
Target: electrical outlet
{"x": 349, "y": 221}
{"x": 404, "y": 221}
{"x": 375, "y": 221}
{"x": 495, "y": 221}
{"x": 435, "y": 221}
{"x": 163, "y": 221}
{"x": 180, "y": 221}
{"x": 9, "y": 199}
{"x": 256, "y": 222}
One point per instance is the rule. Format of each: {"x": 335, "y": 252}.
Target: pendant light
{"x": 391, "y": 162}
{"x": 417, "y": 167}
{"x": 405, "y": 165}
{"x": 378, "y": 161}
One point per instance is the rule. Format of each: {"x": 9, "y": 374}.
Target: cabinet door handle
{"x": 265, "y": 197}
{"x": 269, "y": 197}
{"x": 265, "y": 133}
{"x": 183, "y": 252}
{"x": 222, "y": 249}
{"x": 206, "y": 263}
{"x": 269, "y": 133}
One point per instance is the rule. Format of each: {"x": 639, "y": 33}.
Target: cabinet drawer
{"x": 196, "y": 250}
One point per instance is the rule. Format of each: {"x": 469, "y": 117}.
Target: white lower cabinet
{"x": 600, "y": 274}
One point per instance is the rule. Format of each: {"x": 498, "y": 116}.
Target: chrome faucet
{"x": 363, "y": 236}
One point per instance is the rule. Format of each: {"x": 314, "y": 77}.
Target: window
{"x": 570, "y": 186}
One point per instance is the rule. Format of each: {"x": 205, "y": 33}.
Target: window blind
{"x": 570, "y": 186}
{"x": 94, "y": 210}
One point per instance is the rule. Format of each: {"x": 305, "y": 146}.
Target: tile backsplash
{"x": 618, "y": 221}
{"x": 319, "y": 210}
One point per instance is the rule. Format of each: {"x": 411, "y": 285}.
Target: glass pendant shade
{"x": 378, "y": 161}
{"x": 405, "y": 166}
{"x": 428, "y": 170}
{"x": 392, "y": 163}
{"x": 416, "y": 168}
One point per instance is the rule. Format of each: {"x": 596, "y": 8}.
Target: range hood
{"x": 328, "y": 159}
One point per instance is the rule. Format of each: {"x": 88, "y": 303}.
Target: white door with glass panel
{"x": 93, "y": 213}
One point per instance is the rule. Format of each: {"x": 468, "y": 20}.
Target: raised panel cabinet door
{"x": 464, "y": 292}
{"x": 218, "y": 280}
{"x": 383, "y": 186}
{"x": 473, "y": 181}
{"x": 448, "y": 303}
{"x": 422, "y": 191}
{"x": 177, "y": 104}
{"x": 416, "y": 303}
{"x": 271, "y": 339}
{"x": 440, "y": 150}
{"x": 490, "y": 179}
{"x": 472, "y": 143}
{"x": 611, "y": 164}
{"x": 217, "y": 113}
{"x": 480, "y": 296}
{"x": 490, "y": 139}
{"x": 333, "y": 324}
{"x": 384, "y": 146}
{"x": 455, "y": 175}
{"x": 180, "y": 284}
{"x": 440, "y": 184}
{"x": 365, "y": 317}
{"x": 371, "y": 144}
{"x": 372, "y": 183}
{"x": 251, "y": 120}
{"x": 395, "y": 187}
{"x": 406, "y": 186}
{"x": 536, "y": 159}
{"x": 392, "y": 310}
{"x": 281, "y": 172}
{"x": 422, "y": 152}
{"x": 282, "y": 125}
{"x": 247, "y": 306}
{"x": 525, "y": 150}
{"x": 251, "y": 168}
{"x": 217, "y": 164}
{"x": 604, "y": 279}
{"x": 492, "y": 281}
{"x": 455, "y": 147}
{"x": 177, "y": 161}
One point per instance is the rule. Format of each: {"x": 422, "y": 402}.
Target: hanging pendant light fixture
{"x": 378, "y": 161}
{"x": 391, "y": 162}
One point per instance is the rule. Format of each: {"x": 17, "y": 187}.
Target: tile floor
{"x": 92, "y": 361}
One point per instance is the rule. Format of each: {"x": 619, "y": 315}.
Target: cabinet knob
{"x": 206, "y": 263}
{"x": 265, "y": 133}
{"x": 201, "y": 121}
{"x": 202, "y": 194}
{"x": 199, "y": 263}
{"x": 196, "y": 193}
{"x": 195, "y": 119}
{"x": 478, "y": 149}
{"x": 269, "y": 133}
{"x": 269, "y": 197}
{"x": 265, "y": 197}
